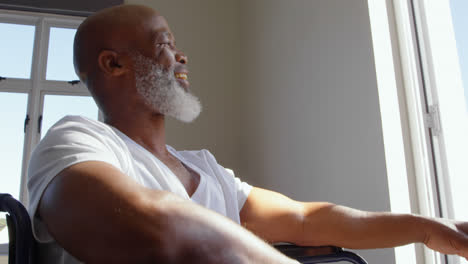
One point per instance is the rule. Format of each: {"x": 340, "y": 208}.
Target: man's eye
{"x": 163, "y": 44}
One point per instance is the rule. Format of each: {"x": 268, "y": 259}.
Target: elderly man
{"x": 114, "y": 192}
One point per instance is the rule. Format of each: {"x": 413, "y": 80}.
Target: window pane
{"x": 460, "y": 22}
{"x": 16, "y": 49}
{"x": 60, "y": 59}
{"x": 58, "y": 106}
{"x": 458, "y": 182}
{"x": 12, "y": 115}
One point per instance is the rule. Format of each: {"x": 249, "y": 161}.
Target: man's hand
{"x": 448, "y": 237}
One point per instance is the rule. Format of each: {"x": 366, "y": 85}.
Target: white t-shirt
{"x": 76, "y": 139}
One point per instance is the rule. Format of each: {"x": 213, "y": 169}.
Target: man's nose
{"x": 180, "y": 57}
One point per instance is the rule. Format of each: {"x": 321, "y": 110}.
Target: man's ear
{"x": 111, "y": 63}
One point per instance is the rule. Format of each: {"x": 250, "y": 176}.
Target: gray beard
{"x": 161, "y": 91}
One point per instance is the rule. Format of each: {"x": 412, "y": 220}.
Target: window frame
{"x": 402, "y": 51}
{"x": 422, "y": 78}
{"x": 36, "y": 87}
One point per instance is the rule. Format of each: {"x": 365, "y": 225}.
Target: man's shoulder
{"x": 77, "y": 130}
{"x": 77, "y": 122}
{"x": 77, "y": 138}
{"x": 77, "y": 126}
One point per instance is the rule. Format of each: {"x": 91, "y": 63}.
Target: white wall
{"x": 290, "y": 96}
{"x": 311, "y": 124}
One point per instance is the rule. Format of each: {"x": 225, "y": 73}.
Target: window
{"x": 56, "y": 105}
{"x": 444, "y": 101}
{"x": 16, "y": 55}
{"x": 459, "y": 181}
{"x": 36, "y": 71}
{"x": 60, "y": 58}
{"x": 12, "y": 113}
{"x": 429, "y": 33}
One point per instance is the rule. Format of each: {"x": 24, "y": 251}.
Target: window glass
{"x": 12, "y": 115}
{"x": 58, "y": 106}
{"x": 16, "y": 49}
{"x": 460, "y": 22}
{"x": 60, "y": 58}
{"x": 459, "y": 9}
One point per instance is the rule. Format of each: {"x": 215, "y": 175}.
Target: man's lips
{"x": 182, "y": 78}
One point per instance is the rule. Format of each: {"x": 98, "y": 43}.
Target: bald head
{"x": 126, "y": 53}
{"x": 116, "y": 28}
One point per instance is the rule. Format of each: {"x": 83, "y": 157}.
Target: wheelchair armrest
{"x": 295, "y": 251}
{"x": 322, "y": 254}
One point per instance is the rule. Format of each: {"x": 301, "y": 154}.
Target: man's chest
{"x": 189, "y": 178}
{"x": 196, "y": 182}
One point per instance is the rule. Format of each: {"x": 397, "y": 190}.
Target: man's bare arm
{"x": 277, "y": 218}
{"x": 100, "y": 215}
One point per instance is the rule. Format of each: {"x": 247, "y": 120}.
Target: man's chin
{"x": 188, "y": 115}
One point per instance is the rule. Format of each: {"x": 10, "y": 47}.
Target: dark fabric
{"x": 63, "y": 7}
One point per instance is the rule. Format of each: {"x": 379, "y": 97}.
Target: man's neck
{"x": 146, "y": 130}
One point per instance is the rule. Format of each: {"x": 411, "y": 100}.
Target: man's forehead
{"x": 160, "y": 27}
{"x": 162, "y": 34}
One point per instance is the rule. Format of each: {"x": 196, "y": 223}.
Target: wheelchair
{"x": 22, "y": 245}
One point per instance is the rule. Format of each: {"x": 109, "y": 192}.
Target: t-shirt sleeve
{"x": 239, "y": 189}
{"x": 68, "y": 142}
{"x": 242, "y": 188}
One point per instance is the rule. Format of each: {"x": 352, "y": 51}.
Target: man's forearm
{"x": 346, "y": 227}
{"x": 198, "y": 235}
